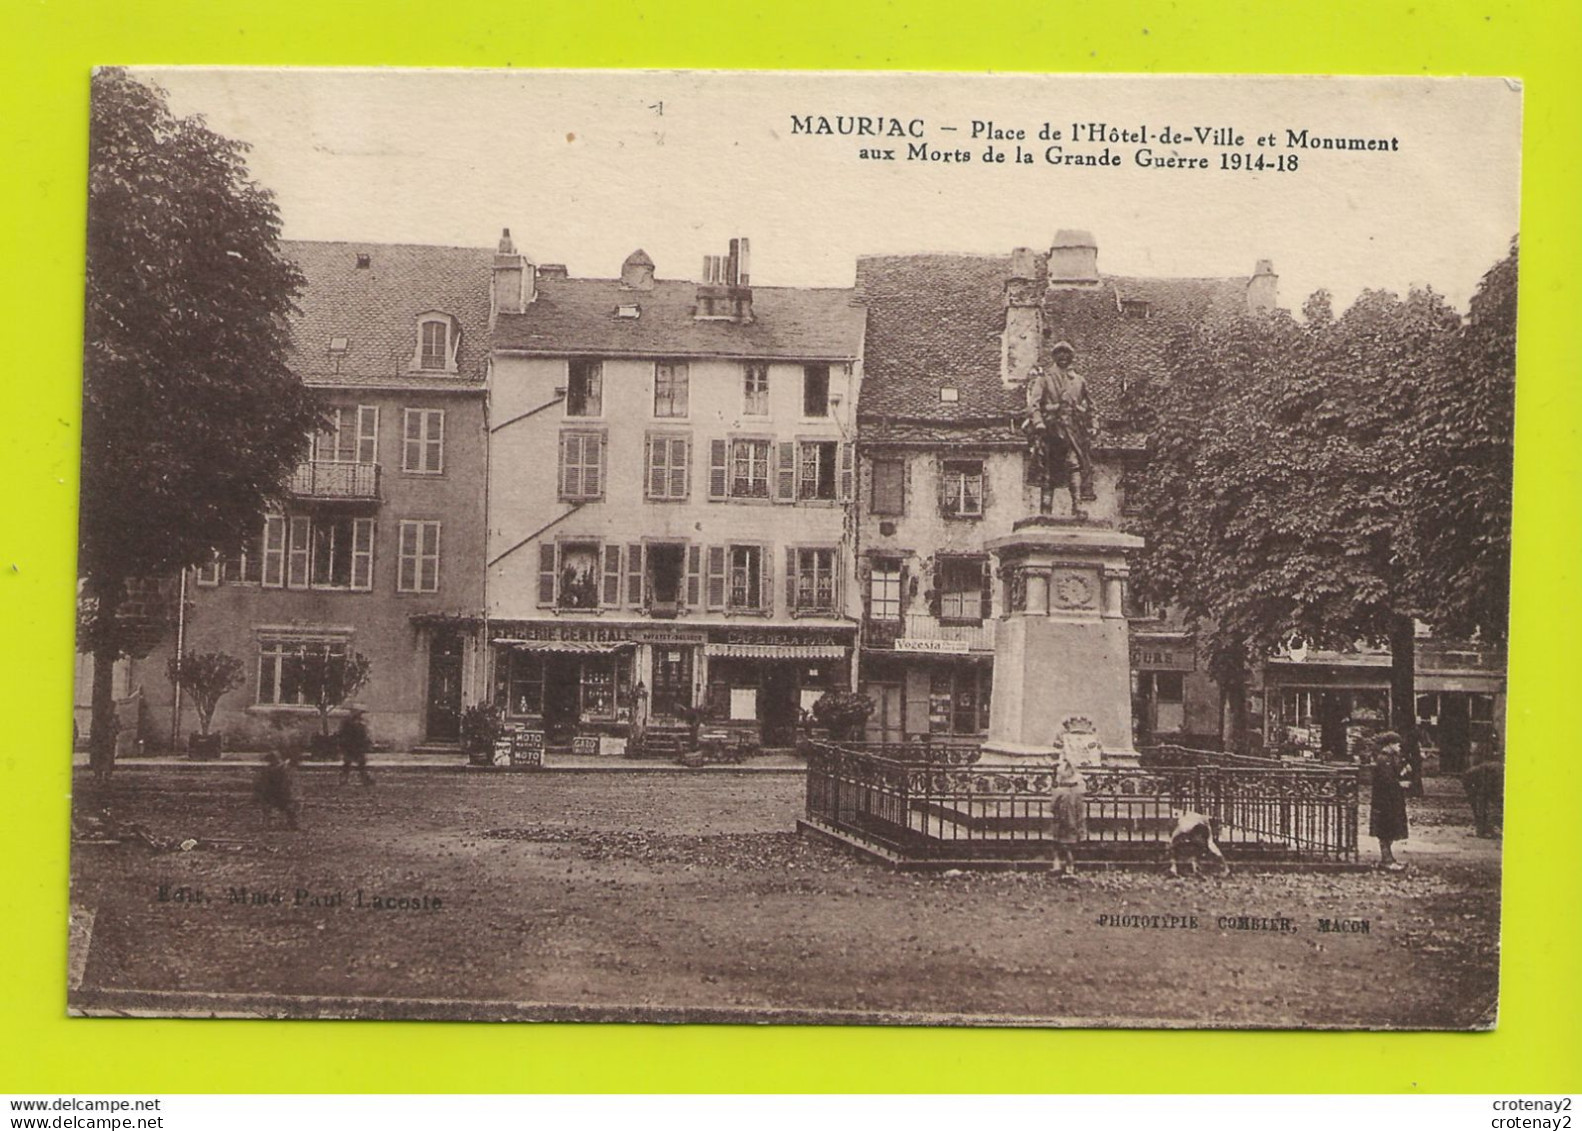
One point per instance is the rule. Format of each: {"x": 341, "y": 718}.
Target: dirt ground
{"x": 691, "y": 897}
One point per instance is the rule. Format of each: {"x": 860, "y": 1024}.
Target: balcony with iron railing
{"x": 332, "y": 480}
{"x": 920, "y": 632}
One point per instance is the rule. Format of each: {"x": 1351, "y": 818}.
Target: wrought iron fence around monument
{"x": 923, "y": 802}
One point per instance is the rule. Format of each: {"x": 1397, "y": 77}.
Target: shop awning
{"x": 583, "y": 646}
{"x": 777, "y": 651}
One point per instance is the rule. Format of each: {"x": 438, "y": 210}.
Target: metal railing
{"x": 328, "y": 479}
{"x": 924, "y": 801}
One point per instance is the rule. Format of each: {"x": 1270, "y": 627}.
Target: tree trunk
{"x": 106, "y": 651}
{"x": 1403, "y": 695}
{"x": 1233, "y": 711}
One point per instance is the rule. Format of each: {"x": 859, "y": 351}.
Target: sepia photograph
{"x": 801, "y": 548}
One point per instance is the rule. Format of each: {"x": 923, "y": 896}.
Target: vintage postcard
{"x": 1023, "y": 550}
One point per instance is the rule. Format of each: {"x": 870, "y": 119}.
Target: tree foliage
{"x": 191, "y": 417}
{"x": 207, "y": 677}
{"x": 1277, "y": 497}
{"x": 330, "y": 679}
{"x": 1460, "y": 477}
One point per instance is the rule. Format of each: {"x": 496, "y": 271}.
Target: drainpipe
{"x": 181, "y": 648}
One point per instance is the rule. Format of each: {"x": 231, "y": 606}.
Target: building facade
{"x": 670, "y": 470}
{"x": 943, "y": 466}
{"x": 378, "y": 549}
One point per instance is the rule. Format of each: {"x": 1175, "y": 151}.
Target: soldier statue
{"x": 1059, "y": 427}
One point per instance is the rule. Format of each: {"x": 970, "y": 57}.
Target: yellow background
{"x": 47, "y": 50}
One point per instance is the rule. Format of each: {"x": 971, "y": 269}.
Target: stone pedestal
{"x": 1062, "y": 660}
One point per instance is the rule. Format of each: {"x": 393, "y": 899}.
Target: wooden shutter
{"x": 612, "y": 575}
{"x": 718, "y": 472}
{"x": 593, "y": 465}
{"x": 654, "y": 483}
{"x": 274, "y": 574}
{"x": 546, "y": 573}
{"x": 570, "y": 465}
{"x": 936, "y": 593}
{"x": 717, "y": 578}
{"x": 766, "y": 583}
{"x": 428, "y": 566}
{"x": 298, "y": 551}
{"x": 363, "y": 553}
{"x": 845, "y": 472}
{"x": 790, "y": 578}
{"x": 681, "y": 467}
{"x": 785, "y": 472}
{"x": 634, "y": 575}
{"x": 367, "y": 433}
{"x": 694, "y": 576}
{"x": 985, "y": 610}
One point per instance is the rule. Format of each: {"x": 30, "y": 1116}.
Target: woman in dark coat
{"x": 1387, "y": 809}
{"x": 1070, "y": 811}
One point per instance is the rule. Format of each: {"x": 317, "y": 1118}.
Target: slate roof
{"x": 375, "y": 308}
{"x": 578, "y": 316}
{"x": 936, "y": 320}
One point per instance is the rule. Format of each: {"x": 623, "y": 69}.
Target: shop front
{"x": 1161, "y": 664}
{"x": 569, "y": 689}
{"x": 764, "y": 681}
{"x": 928, "y": 690}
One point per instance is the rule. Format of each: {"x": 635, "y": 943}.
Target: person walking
{"x": 1070, "y": 810}
{"x": 355, "y": 744}
{"x": 1392, "y": 775}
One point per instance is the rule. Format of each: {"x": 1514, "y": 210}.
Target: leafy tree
{"x": 191, "y": 418}
{"x": 328, "y": 680}
{"x": 1274, "y": 499}
{"x": 1460, "y": 480}
{"x": 207, "y": 677}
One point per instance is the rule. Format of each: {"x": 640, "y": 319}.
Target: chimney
{"x": 1024, "y": 315}
{"x": 637, "y": 273}
{"x": 1263, "y": 288}
{"x": 724, "y": 293}
{"x": 1073, "y": 259}
{"x": 515, "y": 284}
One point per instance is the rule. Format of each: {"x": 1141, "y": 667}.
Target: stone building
{"x": 670, "y": 467}
{"x": 379, "y": 547}
{"x": 943, "y": 465}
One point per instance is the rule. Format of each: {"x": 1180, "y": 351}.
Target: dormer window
{"x": 437, "y": 339}
{"x": 1134, "y": 308}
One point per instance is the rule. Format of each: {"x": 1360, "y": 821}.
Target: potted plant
{"x": 481, "y": 725}
{"x": 329, "y": 680}
{"x": 206, "y": 676}
{"x": 842, "y": 713}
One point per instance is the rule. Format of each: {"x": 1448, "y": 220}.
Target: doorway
{"x": 886, "y": 724}
{"x": 562, "y": 687}
{"x": 672, "y": 692}
{"x": 780, "y": 711}
{"x": 442, "y": 720}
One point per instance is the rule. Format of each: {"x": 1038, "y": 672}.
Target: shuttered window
{"x": 581, "y": 465}
{"x": 669, "y": 474}
{"x": 417, "y": 564}
{"x": 888, "y": 487}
